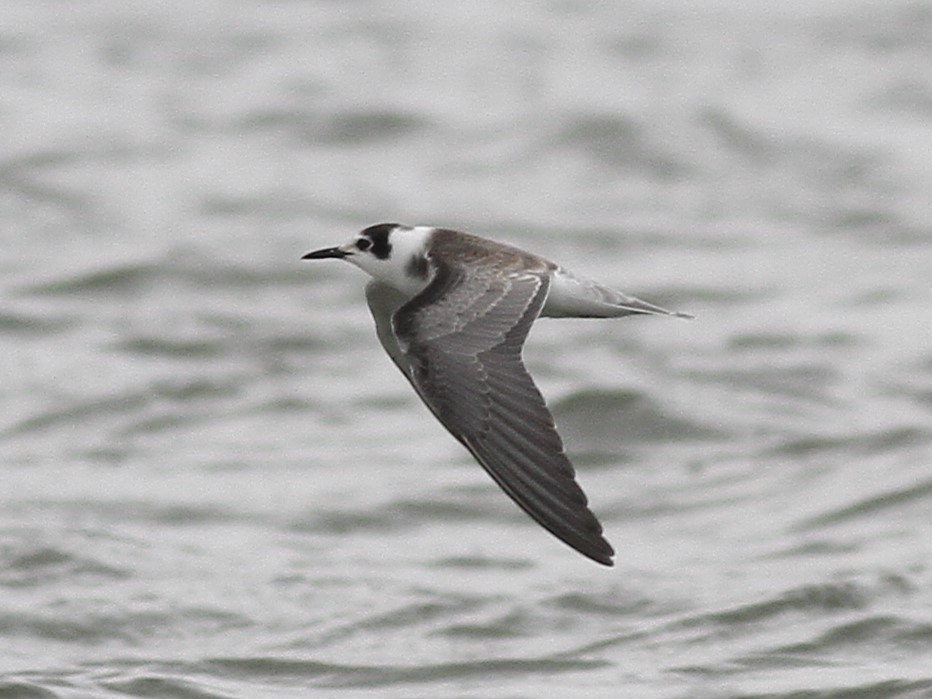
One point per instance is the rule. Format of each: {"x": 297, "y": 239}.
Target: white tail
{"x": 577, "y": 297}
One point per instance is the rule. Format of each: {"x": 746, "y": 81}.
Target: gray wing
{"x": 459, "y": 344}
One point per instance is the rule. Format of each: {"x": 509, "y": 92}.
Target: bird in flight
{"x": 452, "y": 310}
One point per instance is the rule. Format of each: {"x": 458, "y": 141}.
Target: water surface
{"x": 214, "y": 483}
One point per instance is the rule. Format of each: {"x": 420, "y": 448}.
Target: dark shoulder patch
{"x": 417, "y": 267}
{"x": 378, "y": 234}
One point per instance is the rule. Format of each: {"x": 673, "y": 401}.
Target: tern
{"x": 453, "y": 310}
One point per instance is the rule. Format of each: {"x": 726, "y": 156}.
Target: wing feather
{"x": 459, "y": 343}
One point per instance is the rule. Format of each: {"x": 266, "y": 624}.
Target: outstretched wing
{"x": 459, "y": 343}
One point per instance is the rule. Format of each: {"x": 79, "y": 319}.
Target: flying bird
{"x": 452, "y": 310}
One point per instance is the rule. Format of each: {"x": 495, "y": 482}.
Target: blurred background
{"x": 213, "y": 483}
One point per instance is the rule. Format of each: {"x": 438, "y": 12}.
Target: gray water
{"x": 213, "y": 483}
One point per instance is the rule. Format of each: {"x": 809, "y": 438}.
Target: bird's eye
{"x": 363, "y": 244}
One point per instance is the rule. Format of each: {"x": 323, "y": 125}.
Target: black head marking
{"x": 378, "y": 234}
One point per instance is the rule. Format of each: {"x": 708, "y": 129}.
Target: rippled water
{"x": 214, "y": 483}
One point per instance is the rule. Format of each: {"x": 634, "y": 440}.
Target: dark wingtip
{"x": 603, "y": 560}
{"x": 603, "y": 556}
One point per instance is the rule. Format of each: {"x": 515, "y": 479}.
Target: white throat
{"x": 401, "y": 269}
